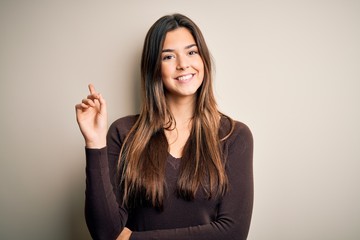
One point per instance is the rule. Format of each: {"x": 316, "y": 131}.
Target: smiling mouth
{"x": 185, "y": 78}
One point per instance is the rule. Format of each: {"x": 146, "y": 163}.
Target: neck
{"x": 182, "y": 109}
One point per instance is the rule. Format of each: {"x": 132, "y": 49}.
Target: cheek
{"x": 165, "y": 75}
{"x": 200, "y": 68}
{"x": 200, "y": 65}
{"x": 165, "y": 71}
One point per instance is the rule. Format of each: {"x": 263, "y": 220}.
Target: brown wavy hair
{"x": 141, "y": 170}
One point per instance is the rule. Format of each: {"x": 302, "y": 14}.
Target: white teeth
{"x": 184, "y": 78}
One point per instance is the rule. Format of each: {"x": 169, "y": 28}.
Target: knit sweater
{"x": 224, "y": 218}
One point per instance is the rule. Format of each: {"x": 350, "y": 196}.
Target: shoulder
{"x": 239, "y": 134}
{"x": 123, "y": 124}
{"x": 119, "y": 129}
{"x": 234, "y": 127}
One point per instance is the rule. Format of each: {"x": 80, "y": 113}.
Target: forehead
{"x": 178, "y": 38}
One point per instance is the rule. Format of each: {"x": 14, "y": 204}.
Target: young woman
{"x": 178, "y": 170}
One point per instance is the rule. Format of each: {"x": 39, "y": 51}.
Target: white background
{"x": 290, "y": 70}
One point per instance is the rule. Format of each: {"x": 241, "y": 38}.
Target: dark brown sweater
{"x": 215, "y": 219}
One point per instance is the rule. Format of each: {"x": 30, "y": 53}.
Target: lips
{"x": 185, "y": 78}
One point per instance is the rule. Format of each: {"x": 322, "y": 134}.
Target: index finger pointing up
{"x": 92, "y": 89}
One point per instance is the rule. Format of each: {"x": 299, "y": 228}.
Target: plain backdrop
{"x": 290, "y": 70}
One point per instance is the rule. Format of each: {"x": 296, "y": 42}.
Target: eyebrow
{"x": 187, "y": 47}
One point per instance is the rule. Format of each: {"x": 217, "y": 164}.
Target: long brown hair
{"x": 143, "y": 155}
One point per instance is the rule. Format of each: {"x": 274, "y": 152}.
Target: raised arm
{"x": 104, "y": 218}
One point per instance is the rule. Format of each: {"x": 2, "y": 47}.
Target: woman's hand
{"x": 91, "y": 115}
{"x": 125, "y": 234}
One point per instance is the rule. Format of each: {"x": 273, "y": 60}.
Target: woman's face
{"x": 182, "y": 68}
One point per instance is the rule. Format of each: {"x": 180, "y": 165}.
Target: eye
{"x": 193, "y": 52}
{"x": 167, "y": 57}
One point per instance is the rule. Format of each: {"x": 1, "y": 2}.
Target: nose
{"x": 182, "y": 63}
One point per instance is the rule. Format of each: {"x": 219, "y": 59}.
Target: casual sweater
{"x": 224, "y": 218}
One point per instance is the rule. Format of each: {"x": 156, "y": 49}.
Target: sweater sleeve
{"x": 104, "y": 218}
{"x": 235, "y": 209}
